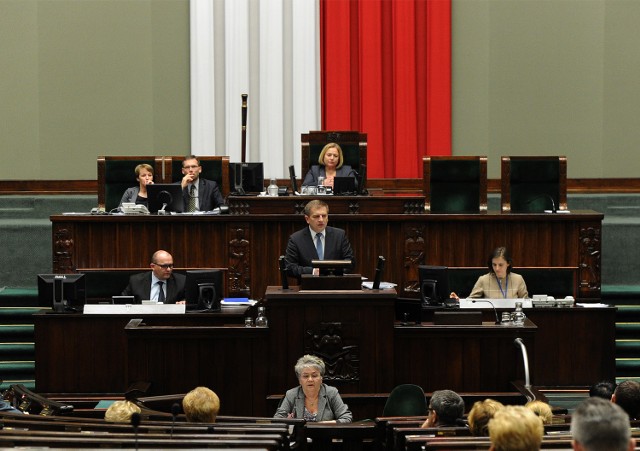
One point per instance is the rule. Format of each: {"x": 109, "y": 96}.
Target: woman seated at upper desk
{"x": 138, "y": 194}
{"x": 500, "y": 282}
{"x": 331, "y": 165}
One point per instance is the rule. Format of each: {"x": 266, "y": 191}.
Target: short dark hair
{"x": 627, "y": 396}
{"x": 191, "y": 157}
{"x": 315, "y": 203}
{"x": 497, "y": 253}
{"x": 448, "y": 405}
{"x": 602, "y": 389}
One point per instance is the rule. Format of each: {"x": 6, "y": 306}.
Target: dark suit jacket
{"x": 311, "y": 179}
{"x": 301, "y": 250}
{"x": 140, "y": 287}
{"x": 209, "y": 195}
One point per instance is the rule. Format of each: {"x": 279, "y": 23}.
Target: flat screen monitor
{"x": 62, "y": 292}
{"x": 343, "y": 186}
{"x": 252, "y": 176}
{"x": 165, "y": 197}
{"x": 204, "y": 289}
{"x": 434, "y": 284}
{"x": 332, "y": 267}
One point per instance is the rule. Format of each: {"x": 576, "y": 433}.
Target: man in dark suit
{"x": 159, "y": 284}
{"x": 199, "y": 194}
{"x": 303, "y": 245}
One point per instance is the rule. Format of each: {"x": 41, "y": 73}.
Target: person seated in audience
{"x": 600, "y": 425}
{"x": 312, "y": 399}
{"x": 500, "y": 282}
{"x": 201, "y": 405}
{"x": 6, "y": 407}
{"x": 121, "y": 411}
{"x": 303, "y": 245}
{"x": 330, "y": 165}
{"x": 627, "y": 396}
{"x": 446, "y": 408}
{"x": 515, "y": 428}
{"x": 138, "y": 194}
{"x": 480, "y": 414}
{"x": 603, "y": 389}
{"x": 198, "y": 194}
{"x": 542, "y": 409}
{"x": 160, "y": 284}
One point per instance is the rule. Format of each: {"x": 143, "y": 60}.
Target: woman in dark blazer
{"x": 138, "y": 194}
{"x": 330, "y": 165}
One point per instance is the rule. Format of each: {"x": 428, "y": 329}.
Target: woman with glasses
{"x": 313, "y": 400}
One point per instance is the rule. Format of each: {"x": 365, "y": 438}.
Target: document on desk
{"x": 134, "y": 309}
{"x": 593, "y": 305}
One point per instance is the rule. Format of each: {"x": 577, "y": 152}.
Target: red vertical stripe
{"x": 386, "y": 72}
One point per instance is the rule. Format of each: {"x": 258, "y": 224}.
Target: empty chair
{"x": 534, "y": 184}
{"x": 455, "y": 184}
{"x": 406, "y": 400}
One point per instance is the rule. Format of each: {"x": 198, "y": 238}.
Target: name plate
{"x": 134, "y": 309}
{"x": 497, "y": 303}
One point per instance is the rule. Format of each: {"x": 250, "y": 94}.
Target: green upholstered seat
{"x": 405, "y": 400}
{"x": 117, "y": 173}
{"x": 214, "y": 168}
{"x": 352, "y": 143}
{"x": 534, "y": 184}
{"x": 455, "y": 184}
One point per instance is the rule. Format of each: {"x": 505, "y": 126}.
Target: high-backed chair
{"x": 117, "y": 173}
{"x": 405, "y": 400}
{"x": 214, "y": 168}
{"x": 534, "y": 184}
{"x": 455, "y": 184}
{"x": 352, "y": 143}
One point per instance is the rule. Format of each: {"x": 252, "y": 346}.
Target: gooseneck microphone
{"x": 135, "y": 422}
{"x": 175, "y": 410}
{"x": 491, "y": 304}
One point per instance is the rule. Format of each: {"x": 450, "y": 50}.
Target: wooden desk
{"x": 250, "y": 244}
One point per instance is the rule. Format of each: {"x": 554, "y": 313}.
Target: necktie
{"x": 161, "y": 297}
{"x": 191, "y": 207}
{"x": 319, "y": 246}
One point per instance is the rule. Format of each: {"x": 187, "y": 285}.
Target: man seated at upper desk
{"x": 316, "y": 242}
{"x": 199, "y": 194}
{"x": 159, "y": 284}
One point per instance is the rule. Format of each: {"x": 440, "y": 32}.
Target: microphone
{"x": 545, "y": 196}
{"x": 283, "y": 273}
{"x": 135, "y": 422}
{"x": 175, "y": 410}
{"x": 525, "y": 360}
{"x": 379, "y": 268}
{"x": 491, "y": 304}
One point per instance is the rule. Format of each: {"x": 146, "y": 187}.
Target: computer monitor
{"x": 344, "y": 186}
{"x": 165, "y": 197}
{"x": 434, "y": 284}
{"x": 62, "y": 292}
{"x": 204, "y": 288}
{"x": 252, "y": 176}
{"x": 332, "y": 267}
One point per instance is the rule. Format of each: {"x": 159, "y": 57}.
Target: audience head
{"x": 602, "y": 389}
{"x": 500, "y": 261}
{"x": 323, "y": 153}
{"x": 309, "y": 361}
{"x": 627, "y": 396}
{"x": 600, "y": 425}
{"x": 480, "y": 414}
{"x": 121, "y": 411}
{"x": 162, "y": 264}
{"x": 542, "y": 409}
{"x": 446, "y": 407}
{"x": 201, "y": 405}
{"x": 515, "y": 428}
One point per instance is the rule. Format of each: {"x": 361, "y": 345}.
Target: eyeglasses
{"x": 167, "y": 266}
{"x": 193, "y": 166}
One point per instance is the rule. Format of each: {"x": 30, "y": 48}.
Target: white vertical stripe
{"x": 273, "y": 60}
{"x": 202, "y": 78}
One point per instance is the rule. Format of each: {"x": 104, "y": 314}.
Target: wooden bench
{"x": 341, "y": 436}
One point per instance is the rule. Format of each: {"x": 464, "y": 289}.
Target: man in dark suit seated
{"x": 159, "y": 284}
{"x": 316, "y": 242}
{"x": 199, "y": 194}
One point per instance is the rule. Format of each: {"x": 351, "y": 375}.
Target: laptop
{"x": 343, "y": 186}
